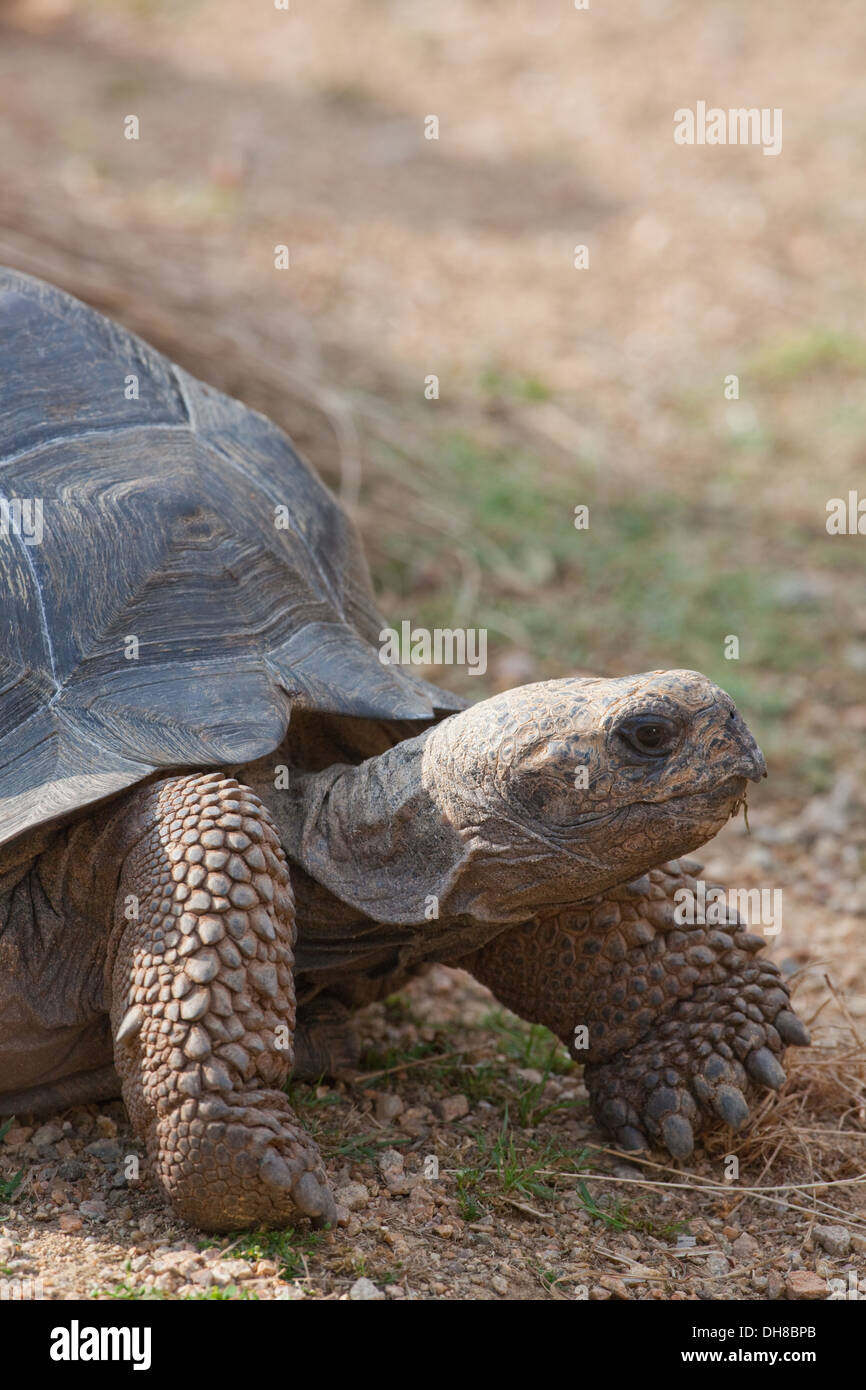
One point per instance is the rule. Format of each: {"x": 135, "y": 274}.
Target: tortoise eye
{"x": 653, "y": 736}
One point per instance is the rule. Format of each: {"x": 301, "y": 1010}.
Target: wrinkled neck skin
{"x": 373, "y": 835}
{"x": 407, "y": 836}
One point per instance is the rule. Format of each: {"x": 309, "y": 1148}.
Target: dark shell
{"x": 159, "y": 524}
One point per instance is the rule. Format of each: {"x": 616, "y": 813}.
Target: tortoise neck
{"x": 403, "y": 839}
{"x": 376, "y": 836}
{"x": 359, "y": 830}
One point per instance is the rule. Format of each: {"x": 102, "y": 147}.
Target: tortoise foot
{"x": 231, "y": 1162}
{"x": 700, "y": 1065}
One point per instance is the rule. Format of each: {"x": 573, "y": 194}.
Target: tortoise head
{"x": 567, "y": 787}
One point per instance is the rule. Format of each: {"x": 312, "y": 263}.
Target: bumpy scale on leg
{"x": 203, "y": 1007}
{"x": 680, "y": 1018}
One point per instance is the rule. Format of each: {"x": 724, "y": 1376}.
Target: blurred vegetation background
{"x": 413, "y": 257}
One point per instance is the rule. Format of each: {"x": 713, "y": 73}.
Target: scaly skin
{"x": 552, "y": 794}
{"x": 326, "y": 1044}
{"x": 203, "y": 1008}
{"x": 682, "y": 1020}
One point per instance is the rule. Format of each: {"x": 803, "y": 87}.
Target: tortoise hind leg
{"x": 203, "y": 1008}
{"x": 326, "y": 1043}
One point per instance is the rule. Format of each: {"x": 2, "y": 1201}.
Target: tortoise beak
{"x": 750, "y": 759}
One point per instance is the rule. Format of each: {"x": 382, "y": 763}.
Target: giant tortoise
{"x": 225, "y": 823}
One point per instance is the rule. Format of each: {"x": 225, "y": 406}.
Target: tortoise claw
{"x": 791, "y": 1030}
{"x": 730, "y": 1105}
{"x": 314, "y": 1200}
{"x": 311, "y": 1197}
{"x": 678, "y": 1136}
{"x": 631, "y": 1139}
{"x": 763, "y": 1068}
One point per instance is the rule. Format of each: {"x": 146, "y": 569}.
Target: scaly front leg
{"x": 680, "y": 1020}
{"x": 203, "y": 1006}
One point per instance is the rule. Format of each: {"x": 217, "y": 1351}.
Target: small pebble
{"x": 364, "y": 1291}
{"x": 836, "y": 1240}
{"x": 352, "y": 1196}
{"x": 45, "y": 1135}
{"x": 453, "y": 1108}
{"x": 745, "y": 1247}
{"x": 803, "y": 1284}
{"x": 106, "y": 1150}
{"x": 96, "y": 1209}
{"x": 388, "y": 1107}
